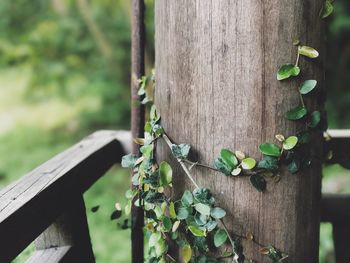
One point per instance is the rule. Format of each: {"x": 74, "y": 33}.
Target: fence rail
{"x": 46, "y": 205}
{"x": 48, "y": 201}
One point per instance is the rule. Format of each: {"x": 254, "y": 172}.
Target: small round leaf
{"x": 166, "y": 174}
{"x": 308, "y": 52}
{"x": 248, "y": 163}
{"x": 229, "y": 158}
{"x": 217, "y": 212}
{"x": 287, "y": 70}
{"x": 296, "y": 113}
{"x": 307, "y": 86}
{"x": 290, "y": 142}
{"x": 220, "y": 237}
{"x": 315, "y": 119}
{"x": 203, "y": 209}
{"x": 236, "y": 171}
{"x": 270, "y": 149}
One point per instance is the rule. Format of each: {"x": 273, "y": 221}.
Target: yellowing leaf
{"x": 186, "y": 253}
{"x": 308, "y": 51}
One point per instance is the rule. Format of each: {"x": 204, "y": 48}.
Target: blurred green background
{"x": 64, "y": 73}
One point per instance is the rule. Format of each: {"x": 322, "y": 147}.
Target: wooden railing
{"x": 47, "y": 206}
{"x": 335, "y": 208}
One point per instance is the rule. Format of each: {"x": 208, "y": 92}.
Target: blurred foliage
{"x": 338, "y": 65}
{"x": 73, "y": 49}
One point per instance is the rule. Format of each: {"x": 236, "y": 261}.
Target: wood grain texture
{"x": 51, "y": 255}
{"x": 137, "y": 114}
{"x": 216, "y": 64}
{"x": 70, "y": 229}
{"x": 31, "y": 204}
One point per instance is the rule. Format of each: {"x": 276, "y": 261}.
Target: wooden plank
{"x": 30, "y": 205}
{"x": 339, "y": 145}
{"x": 216, "y": 63}
{"x": 70, "y": 229}
{"x": 137, "y": 114}
{"x": 341, "y": 239}
{"x": 335, "y": 208}
{"x": 51, "y": 255}
{"x": 339, "y": 133}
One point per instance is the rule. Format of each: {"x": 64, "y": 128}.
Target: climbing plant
{"x": 195, "y": 222}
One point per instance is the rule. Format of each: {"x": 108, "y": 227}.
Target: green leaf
{"x": 187, "y": 198}
{"x": 270, "y": 149}
{"x": 293, "y": 166}
{"x": 290, "y": 142}
{"x": 269, "y": 163}
{"x": 154, "y": 115}
{"x": 200, "y": 219}
{"x": 186, "y": 253}
{"x": 296, "y": 113}
{"x": 287, "y": 70}
{"x": 258, "y": 181}
{"x": 166, "y": 174}
{"x": 203, "y": 209}
{"x": 315, "y": 119}
{"x": 217, "y": 212}
{"x": 307, "y": 86}
{"x": 128, "y": 161}
{"x": 220, "y": 237}
{"x": 160, "y": 247}
{"x": 167, "y": 223}
{"x": 203, "y": 195}
{"x": 183, "y": 213}
{"x": 153, "y": 239}
{"x": 180, "y": 151}
{"x": 229, "y": 158}
{"x": 211, "y": 225}
{"x": 248, "y": 163}
{"x": 308, "y": 51}
{"x": 327, "y": 9}
{"x": 172, "y": 212}
{"x": 236, "y": 171}
{"x": 197, "y": 231}
{"x": 222, "y": 166}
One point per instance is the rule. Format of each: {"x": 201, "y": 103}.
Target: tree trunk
{"x": 216, "y": 64}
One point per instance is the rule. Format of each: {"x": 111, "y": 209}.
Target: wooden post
{"x": 137, "y": 114}
{"x": 216, "y": 64}
{"x": 69, "y": 230}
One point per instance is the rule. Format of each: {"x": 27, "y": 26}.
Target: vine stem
{"x": 200, "y": 165}
{"x": 184, "y": 167}
{"x": 228, "y": 235}
{"x": 188, "y": 173}
{"x": 298, "y": 56}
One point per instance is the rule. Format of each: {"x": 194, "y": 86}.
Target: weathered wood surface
{"x": 31, "y": 204}
{"x": 216, "y": 64}
{"x": 335, "y": 210}
{"x": 339, "y": 146}
{"x": 51, "y": 255}
{"x": 137, "y": 113}
{"x": 70, "y": 229}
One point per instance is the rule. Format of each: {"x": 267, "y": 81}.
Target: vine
{"x": 194, "y": 222}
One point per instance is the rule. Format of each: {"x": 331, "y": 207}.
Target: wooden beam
{"x": 216, "y": 64}
{"x": 70, "y": 229}
{"x": 31, "y": 204}
{"x": 137, "y": 114}
{"x": 335, "y": 208}
{"x": 51, "y": 255}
